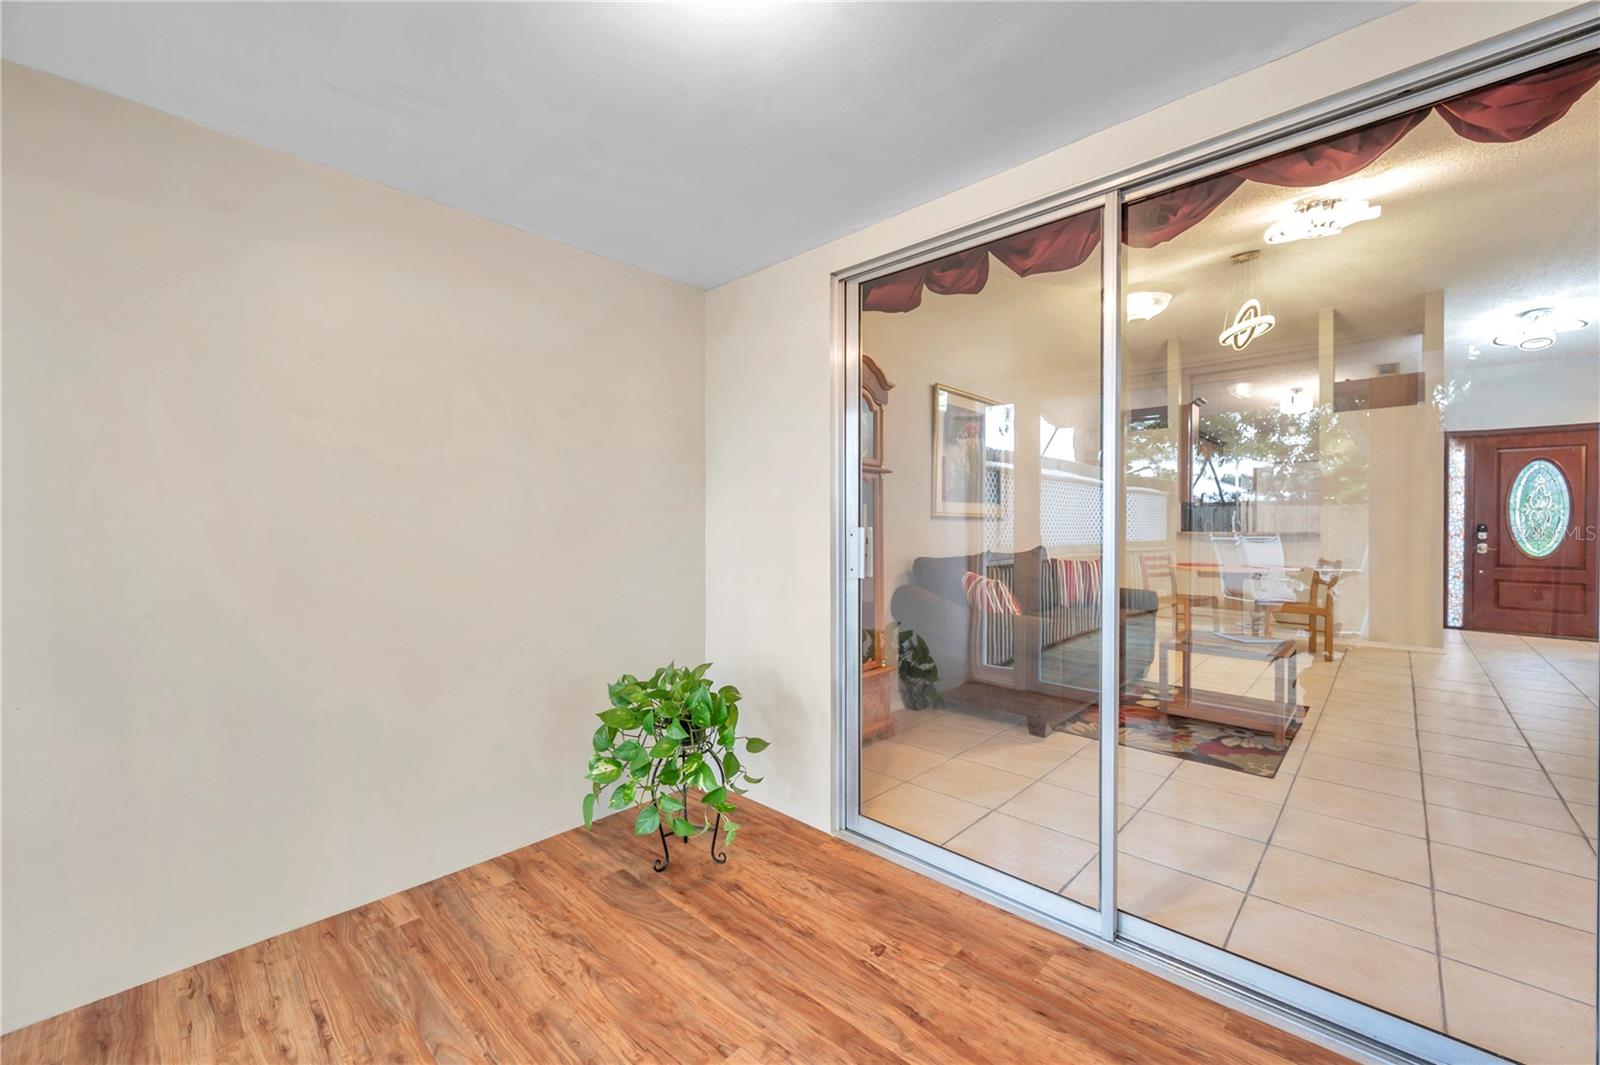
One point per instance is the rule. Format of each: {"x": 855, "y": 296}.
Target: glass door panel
{"x": 1360, "y": 385}
{"x": 979, "y": 607}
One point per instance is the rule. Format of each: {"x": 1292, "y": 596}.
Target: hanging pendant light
{"x": 1250, "y": 321}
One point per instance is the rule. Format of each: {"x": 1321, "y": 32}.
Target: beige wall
{"x": 773, "y": 377}
{"x": 328, "y": 510}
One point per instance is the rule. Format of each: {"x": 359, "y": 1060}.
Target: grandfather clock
{"x": 880, "y": 657}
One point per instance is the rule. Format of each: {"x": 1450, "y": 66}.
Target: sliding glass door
{"x": 1341, "y": 602}
{"x": 1329, "y": 779}
{"x": 979, "y": 495}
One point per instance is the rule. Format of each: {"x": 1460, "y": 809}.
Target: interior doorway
{"x": 1528, "y": 530}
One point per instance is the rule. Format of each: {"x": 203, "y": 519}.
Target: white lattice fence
{"x": 1069, "y": 511}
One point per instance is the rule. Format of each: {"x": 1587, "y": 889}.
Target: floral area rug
{"x": 1146, "y": 728}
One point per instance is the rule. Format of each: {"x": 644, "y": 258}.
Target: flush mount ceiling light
{"x": 1143, "y": 306}
{"x": 1249, "y": 321}
{"x": 1536, "y": 330}
{"x": 1320, "y": 216}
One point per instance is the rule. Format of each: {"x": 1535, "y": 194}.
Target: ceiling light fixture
{"x": 1536, "y": 329}
{"x": 1320, "y": 216}
{"x": 1249, "y": 321}
{"x": 1244, "y": 389}
{"x": 1143, "y": 306}
{"x": 1298, "y": 401}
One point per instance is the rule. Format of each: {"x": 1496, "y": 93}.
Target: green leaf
{"x": 622, "y": 798}
{"x": 719, "y": 712}
{"x": 588, "y": 810}
{"x": 680, "y": 827}
{"x": 615, "y": 692}
{"x": 621, "y": 719}
{"x": 717, "y": 799}
{"x": 602, "y": 738}
{"x": 755, "y": 746}
{"x": 730, "y": 765}
{"x": 604, "y": 771}
{"x": 670, "y": 776}
{"x": 627, "y": 750}
{"x": 675, "y": 731}
{"x": 670, "y": 804}
{"x": 700, "y": 714}
{"x": 748, "y": 779}
{"x": 648, "y": 821}
{"x": 664, "y": 749}
{"x": 700, "y": 671}
{"x": 729, "y": 693}
{"x": 705, "y": 777}
{"x": 732, "y": 829}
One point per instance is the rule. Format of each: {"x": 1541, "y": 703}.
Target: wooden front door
{"x": 1530, "y": 530}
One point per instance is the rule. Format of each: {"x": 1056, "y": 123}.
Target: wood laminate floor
{"x": 802, "y": 948}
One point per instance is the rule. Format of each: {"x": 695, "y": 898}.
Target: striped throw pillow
{"x": 1076, "y": 581}
{"x": 988, "y": 595}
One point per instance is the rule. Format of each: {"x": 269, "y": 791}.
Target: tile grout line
{"x": 1375, "y": 934}
{"x": 1560, "y": 795}
{"x": 1282, "y": 807}
{"x": 1202, "y": 784}
{"x": 1594, "y": 702}
{"x": 1433, "y": 883}
{"x": 1267, "y": 844}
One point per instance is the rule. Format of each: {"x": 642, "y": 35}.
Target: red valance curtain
{"x": 1517, "y": 109}
{"x": 1057, "y": 246}
{"x": 1508, "y": 111}
{"x": 1160, "y": 218}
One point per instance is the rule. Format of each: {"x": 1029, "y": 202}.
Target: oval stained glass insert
{"x": 1539, "y": 508}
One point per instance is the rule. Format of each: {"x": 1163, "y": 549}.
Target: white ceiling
{"x": 701, "y": 141}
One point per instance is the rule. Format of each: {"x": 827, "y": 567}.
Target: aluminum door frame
{"x": 1287, "y": 1000}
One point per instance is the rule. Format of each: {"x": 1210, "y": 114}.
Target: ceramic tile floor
{"x": 1427, "y": 846}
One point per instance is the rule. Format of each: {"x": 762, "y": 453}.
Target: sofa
{"x": 1020, "y": 632}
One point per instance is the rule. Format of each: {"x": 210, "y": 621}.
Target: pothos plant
{"x": 662, "y": 736}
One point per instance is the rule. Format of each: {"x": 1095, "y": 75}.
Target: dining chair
{"x": 1269, "y": 574}
{"x": 1317, "y": 607}
{"x": 1236, "y": 581}
{"x": 1158, "y": 567}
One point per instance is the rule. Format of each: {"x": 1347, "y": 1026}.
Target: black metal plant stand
{"x": 660, "y": 864}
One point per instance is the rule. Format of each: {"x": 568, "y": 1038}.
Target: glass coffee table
{"x": 1225, "y": 708}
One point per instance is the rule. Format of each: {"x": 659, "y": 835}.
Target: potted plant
{"x": 662, "y": 736}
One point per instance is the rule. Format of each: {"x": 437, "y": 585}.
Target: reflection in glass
{"x": 987, "y": 550}
{"x": 1319, "y": 775}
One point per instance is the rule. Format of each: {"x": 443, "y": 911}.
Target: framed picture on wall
{"x": 965, "y": 427}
